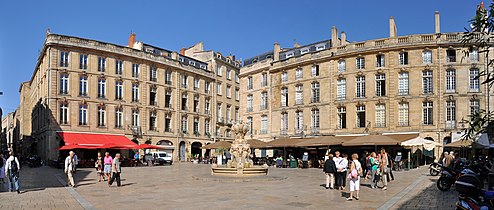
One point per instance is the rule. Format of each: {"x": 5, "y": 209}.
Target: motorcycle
{"x": 34, "y": 161}
{"x": 471, "y": 194}
{"x": 434, "y": 169}
{"x": 449, "y": 176}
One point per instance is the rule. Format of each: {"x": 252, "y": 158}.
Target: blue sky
{"x": 243, "y": 28}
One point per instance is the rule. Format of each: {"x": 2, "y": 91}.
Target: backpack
{"x": 13, "y": 167}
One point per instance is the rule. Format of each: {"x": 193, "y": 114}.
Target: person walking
{"x": 354, "y": 176}
{"x": 108, "y": 160}
{"x": 136, "y": 158}
{"x": 344, "y": 165}
{"x": 384, "y": 168}
{"x": 99, "y": 167}
{"x": 2, "y": 169}
{"x": 330, "y": 170}
{"x": 391, "y": 177}
{"x": 116, "y": 170}
{"x": 70, "y": 168}
{"x": 12, "y": 168}
{"x": 363, "y": 160}
{"x": 374, "y": 166}
{"x": 337, "y": 160}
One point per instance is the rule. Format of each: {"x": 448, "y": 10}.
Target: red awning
{"x": 74, "y": 140}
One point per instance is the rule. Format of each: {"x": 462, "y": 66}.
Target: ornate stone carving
{"x": 240, "y": 149}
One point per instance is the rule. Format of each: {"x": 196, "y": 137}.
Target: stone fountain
{"x": 240, "y": 164}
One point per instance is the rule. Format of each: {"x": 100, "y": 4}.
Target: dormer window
{"x": 289, "y": 54}
{"x": 304, "y": 51}
{"x": 320, "y": 47}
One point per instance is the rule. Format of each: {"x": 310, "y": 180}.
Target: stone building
{"x": 149, "y": 94}
{"x": 421, "y": 83}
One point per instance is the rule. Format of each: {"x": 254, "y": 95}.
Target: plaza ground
{"x": 190, "y": 186}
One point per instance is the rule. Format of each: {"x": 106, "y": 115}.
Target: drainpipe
{"x": 48, "y": 98}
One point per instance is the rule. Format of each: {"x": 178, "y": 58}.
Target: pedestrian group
{"x": 107, "y": 168}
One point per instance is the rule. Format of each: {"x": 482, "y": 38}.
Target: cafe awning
{"x": 379, "y": 140}
{"x": 80, "y": 140}
{"x": 254, "y": 143}
{"x": 460, "y": 143}
{"x": 321, "y": 141}
{"x": 218, "y": 145}
{"x": 283, "y": 142}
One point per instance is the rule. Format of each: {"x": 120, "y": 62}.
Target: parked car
{"x": 162, "y": 158}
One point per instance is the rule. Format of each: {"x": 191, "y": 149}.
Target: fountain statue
{"x": 240, "y": 163}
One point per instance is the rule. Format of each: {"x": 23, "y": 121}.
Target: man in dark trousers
{"x": 116, "y": 170}
{"x": 330, "y": 170}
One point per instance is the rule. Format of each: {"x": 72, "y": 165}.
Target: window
{"x": 64, "y": 114}
{"x": 196, "y": 126}
{"x": 315, "y": 70}
{"x": 237, "y": 114}
{"x": 249, "y": 103}
{"x": 474, "y": 80}
{"x": 219, "y": 114}
{"x": 427, "y": 57}
{"x": 341, "y": 117}
{"x": 64, "y": 59}
{"x": 184, "y": 124}
{"x": 451, "y": 55}
{"x": 206, "y": 126}
{"x": 298, "y": 73}
{"x": 403, "y": 87}
{"x": 101, "y": 88}
{"x": 360, "y": 63}
{"x": 168, "y": 99}
{"x": 101, "y": 116}
{"x": 315, "y": 92}
{"x": 341, "y": 66}
{"x": 381, "y": 85}
{"x": 264, "y": 124}
{"x": 299, "y": 94}
{"x": 341, "y": 89}
{"x": 304, "y": 51}
{"x": 206, "y": 106}
{"x": 250, "y": 123}
{"x": 101, "y": 64}
{"x": 403, "y": 114}
{"x": 153, "y": 96}
{"x": 135, "y": 92}
{"x": 264, "y": 100}
{"x": 315, "y": 121}
{"x": 118, "y": 118}
{"x": 264, "y": 80}
{"x": 229, "y": 74}
{"x": 135, "y": 117}
{"x": 403, "y": 58}
{"x": 249, "y": 83}
{"x": 83, "y": 114}
{"x": 474, "y": 107}
{"x": 83, "y": 86}
{"x": 135, "y": 70}
{"x": 118, "y": 90}
{"x": 237, "y": 80}
{"x": 219, "y": 71}
{"x": 473, "y": 55}
{"x": 207, "y": 87}
{"x": 320, "y": 47}
{"x": 360, "y": 91}
{"x": 184, "y": 102}
{"x": 83, "y": 61}
{"x": 228, "y": 91}
{"x": 118, "y": 67}
{"x": 184, "y": 81}
{"x": 427, "y": 87}
{"x": 284, "y": 76}
{"x": 168, "y": 123}
{"x": 289, "y": 54}
{"x": 218, "y": 89}
{"x": 153, "y": 75}
{"x": 284, "y": 97}
{"x": 237, "y": 94}
{"x": 197, "y": 83}
{"x": 380, "y": 116}
{"x": 284, "y": 123}
{"x": 192, "y": 63}
{"x": 152, "y": 121}
{"x": 196, "y": 104}
{"x": 361, "y": 117}
{"x": 380, "y": 60}
{"x": 64, "y": 84}
{"x": 427, "y": 111}
{"x": 168, "y": 77}
{"x": 450, "y": 80}
{"x": 299, "y": 122}
{"x": 450, "y": 114}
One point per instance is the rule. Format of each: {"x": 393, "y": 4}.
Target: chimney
{"x": 276, "y": 51}
{"x": 182, "y": 51}
{"x": 437, "y": 22}
{"x": 343, "y": 38}
{"x": 132, "y": 40}
{"x": 392, "y": 27}
{"x": 296, "y": 45}
{"x": 334, "y": 36}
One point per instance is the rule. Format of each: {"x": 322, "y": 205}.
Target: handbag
{"x": 353, "y": 174}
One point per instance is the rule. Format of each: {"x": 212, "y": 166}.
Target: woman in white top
{"x": 354, "y": 180}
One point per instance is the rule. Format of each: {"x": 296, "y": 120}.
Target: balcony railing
{"x": 284, "y": 132}
{"x": 315, "y": 130}
{"x": 403, "y": 123}
{"x": 450, "y": 124}
{"x": 249, "y": 109}
{"x": 169, "y": 130}
{"x": 380, "y": 125}
{"x": 451, "y": 59}
{"x": 263, "y": 107}
{"x": 168, "y": 82}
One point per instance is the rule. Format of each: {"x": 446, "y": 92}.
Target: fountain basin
{"x": 254, "y": 171}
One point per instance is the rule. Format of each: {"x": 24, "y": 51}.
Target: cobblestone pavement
{"x": 190, "y": 186}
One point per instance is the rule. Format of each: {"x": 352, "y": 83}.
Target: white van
{"x": 162, "y": 158}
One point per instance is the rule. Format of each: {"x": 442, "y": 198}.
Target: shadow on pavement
{"x": 431, "y": 198}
